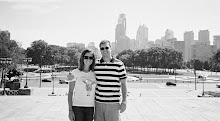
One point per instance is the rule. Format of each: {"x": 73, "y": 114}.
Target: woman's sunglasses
{"x": 88, "y": 57}
{"x": 102, "y": 48}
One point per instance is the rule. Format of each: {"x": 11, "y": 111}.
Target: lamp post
{"x": 175, "y": 74}
{"x": 195, "y": 71}
{"x": 27, "y": 60}
{"x": 203, "y": 91}
{"x": 52, "y": 77}
{"x": 40, "y": 69}
{"x": 5, "y": 61}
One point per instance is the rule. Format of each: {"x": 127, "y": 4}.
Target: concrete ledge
{"x": 25, "y": 91}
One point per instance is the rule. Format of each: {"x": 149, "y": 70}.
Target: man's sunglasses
{"x": 88, "y": 57}
{"x": 102, "y": 48}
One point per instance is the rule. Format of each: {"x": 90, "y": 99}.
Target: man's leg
{"x": 99, "y": 114}
{"x": 112, "y": 112}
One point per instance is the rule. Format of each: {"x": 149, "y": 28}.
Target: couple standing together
{"x": 95, "y": 87}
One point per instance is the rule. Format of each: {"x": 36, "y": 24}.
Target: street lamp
{"x": 40, "y": 69}
{"x": 27, "y": 60}
{"x": 5, "y": 61}
{"x": 195, "y": 71}
{"x": 203, "y": 79}
{"x": 52, "y": 76}
{"x": 175, "y": 74}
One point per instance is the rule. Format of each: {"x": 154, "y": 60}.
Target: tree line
{"x": 153, "y": 58}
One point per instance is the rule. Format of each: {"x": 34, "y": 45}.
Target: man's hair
{"x": 105, "y": 41}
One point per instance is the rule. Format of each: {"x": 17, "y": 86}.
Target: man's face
{"x": 105, "y": 50}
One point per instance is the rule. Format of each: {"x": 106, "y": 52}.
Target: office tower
{"x": 96, "y": 51}
{"x": 121, "y": 40}
{"x": 122, "y": 21}
{"x": 188, "y": 39}
{"x": 216, "y": 41}
{"x": 204, "y": 37}
{"x": 179, "y": 46}
{"x": 71, "y": 44}
{"x": 203, "y": 52}
{"x": 142, "y": 37}
{"x": 113, "y": 45}
{"x": 169, "y": 34}
{"x": 121, "y": 27}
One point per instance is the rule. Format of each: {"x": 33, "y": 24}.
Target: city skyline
{"x": 62, "y": 21}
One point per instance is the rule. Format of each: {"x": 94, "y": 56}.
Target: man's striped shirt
{"x": 108, "y": 75}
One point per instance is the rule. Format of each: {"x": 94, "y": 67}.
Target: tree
{"x": 10, "y": 49}
{"x": 37, "y": 49}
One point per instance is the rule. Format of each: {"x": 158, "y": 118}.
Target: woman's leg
{"x": 89, "y": 113}
{"x": 79, "y": 113}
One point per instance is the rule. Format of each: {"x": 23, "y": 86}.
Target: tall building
{"x": 202, "y": 52}
{"x": 133, "y": 44}
{"x": 71, "y": 44}
{"x": 179, "y": 46}
{"x": 169, "y": 34}
{"x": 216, "y": 41}
{"x": 188, "y": 39}
{"x": 124, "y": 44}
{"x": 167, "y": 41}
{"x": 204, "y": 37}
{"x": 121, "y": 40}
{"x": 142, "y": 37}
{"x": 96, "y": 51}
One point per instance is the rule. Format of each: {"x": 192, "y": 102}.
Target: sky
{"x": 59, "y": 22}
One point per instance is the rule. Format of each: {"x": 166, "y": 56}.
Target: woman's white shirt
{"x": 84, "y": 90}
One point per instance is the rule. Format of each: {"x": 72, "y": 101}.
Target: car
{"x": 61, "y": 81}
{"x": 46, "y": 80}
{"x": 132, "y": 79}
{"x": 170, "y": 83}
{"x": 218, "y": 85}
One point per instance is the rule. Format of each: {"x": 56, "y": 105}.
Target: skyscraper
{"x": 142, "y": 37}
{"x": 121, "y": 40}
{"x": 204, "y": 37}
{"x": 121, "y": 27}
{"x": 216, "y": 41}
{"x": 188, "y": 39}
{"x": 169, "y": 34}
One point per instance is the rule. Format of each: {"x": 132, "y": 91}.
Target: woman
{"x": 82, "y": 88}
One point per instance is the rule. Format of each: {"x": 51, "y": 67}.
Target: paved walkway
{"x": 146, "y": 102}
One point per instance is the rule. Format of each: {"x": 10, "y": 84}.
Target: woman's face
{"x": 88, "y": 59}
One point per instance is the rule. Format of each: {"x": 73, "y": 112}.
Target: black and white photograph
{"x": 109, "y": 60}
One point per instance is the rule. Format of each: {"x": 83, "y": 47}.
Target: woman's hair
{"x": 81, "y": 60}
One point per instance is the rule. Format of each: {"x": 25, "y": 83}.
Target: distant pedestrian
{"x": 82, "y": 88}
{"x": 111, "y": 82}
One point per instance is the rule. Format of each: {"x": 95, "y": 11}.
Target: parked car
{"x": 170, "y": 83}
{"x": 218, "y": 85}
{"x": 46, "y": 80}
{"x": 132, "y": 79}
{"x": 61, "y": 81}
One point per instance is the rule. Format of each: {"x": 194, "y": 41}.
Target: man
{"x": 111, "y": 82}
